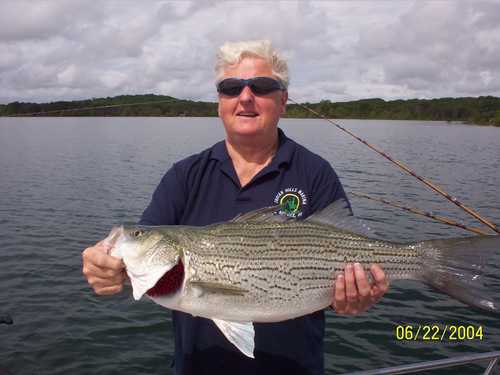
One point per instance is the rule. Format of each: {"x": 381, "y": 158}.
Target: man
{"x": 255, "y": 166}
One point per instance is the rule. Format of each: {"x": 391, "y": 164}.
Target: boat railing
{"x": 493, "y": 358}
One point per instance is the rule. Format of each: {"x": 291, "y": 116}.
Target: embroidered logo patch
{"x": 291, "y": 200}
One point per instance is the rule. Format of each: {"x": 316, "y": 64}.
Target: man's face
{"x": 248, "y": 114}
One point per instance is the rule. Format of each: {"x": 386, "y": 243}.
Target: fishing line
{"x": 427, "y": 182}
{"x": 442, "y": 219}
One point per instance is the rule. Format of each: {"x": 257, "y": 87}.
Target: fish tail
{"x": 456, "y": 267}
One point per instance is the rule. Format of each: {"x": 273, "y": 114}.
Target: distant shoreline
{"x": 287, "y": 118}
{"x": 483, "y": 110}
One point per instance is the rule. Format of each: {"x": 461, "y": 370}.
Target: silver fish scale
{"x": 283, "y": 262}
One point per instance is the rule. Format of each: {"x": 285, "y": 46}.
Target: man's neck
{"x": 250, "y": 157}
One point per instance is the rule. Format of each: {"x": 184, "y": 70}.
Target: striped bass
{"x": 263, "y": 267}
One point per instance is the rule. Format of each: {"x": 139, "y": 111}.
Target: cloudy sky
{"x": 345, "y": 50}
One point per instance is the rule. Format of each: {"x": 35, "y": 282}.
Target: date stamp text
{"x": 438, "y": 332}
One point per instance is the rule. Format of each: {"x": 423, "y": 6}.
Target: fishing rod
{"x": 96, "y": 107}
{"x": 427, "y": 182}
{"x": 441, "y": 219}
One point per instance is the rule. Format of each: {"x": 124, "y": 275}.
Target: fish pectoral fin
{"x": 214, "y": 287}
{"x": 241, "y": 335}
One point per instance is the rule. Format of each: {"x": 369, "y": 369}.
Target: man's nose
{"x": 246, "y": 95}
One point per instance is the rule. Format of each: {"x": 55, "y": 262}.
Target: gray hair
{"x": 232, "y": 53}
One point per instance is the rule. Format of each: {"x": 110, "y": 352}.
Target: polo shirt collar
{"x": 286, "y": 148}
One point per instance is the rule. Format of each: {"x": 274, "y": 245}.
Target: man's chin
{"x": 244, "y": 120}
{"x": 250, "y": 126}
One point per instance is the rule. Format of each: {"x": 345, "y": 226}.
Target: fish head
{"x": 149, "y": 255}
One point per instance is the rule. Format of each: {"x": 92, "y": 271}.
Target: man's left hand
{"x": 354, "y": 294}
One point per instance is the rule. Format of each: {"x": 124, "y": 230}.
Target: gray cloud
{"x": 52, "y": 50}
{"x": 438, "y": 49}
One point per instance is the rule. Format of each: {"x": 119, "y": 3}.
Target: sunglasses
{"x": 258, "y": 85}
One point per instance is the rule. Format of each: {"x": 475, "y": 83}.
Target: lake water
{"x": 66, "y": 181}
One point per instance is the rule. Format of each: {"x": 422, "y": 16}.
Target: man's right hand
{"x": 105, "y": 273}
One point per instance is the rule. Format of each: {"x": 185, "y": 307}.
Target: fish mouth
{"x": 113, "y": 236}
{"x": 169, "y": 283}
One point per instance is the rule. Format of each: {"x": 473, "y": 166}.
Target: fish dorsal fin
{"x": 339, "y": 215}
{"x": 262, "y": 215}
{"x": 240, "y": 335}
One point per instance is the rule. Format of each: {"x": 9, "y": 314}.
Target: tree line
{"x": 483, "y": 110}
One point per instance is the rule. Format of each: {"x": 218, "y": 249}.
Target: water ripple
{"x": 66, "y": 181}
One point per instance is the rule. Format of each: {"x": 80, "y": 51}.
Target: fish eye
{"x": 137, "y": 233}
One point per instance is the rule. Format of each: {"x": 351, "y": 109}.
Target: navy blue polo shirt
{"x": 204, "y": 189}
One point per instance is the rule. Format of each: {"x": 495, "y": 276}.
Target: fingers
{"x": 364, "y": 289}
{"x": 353, "y": 292}
{"x": 362, "y": 283}
{"x": 381, "y": 284}
{"x": 107, "y": 286}
{"x": 357, "y": 289}
{"x": 104, "y": 273}
{"x": 339, "y": 300}
{"x": 109, "y": 290}
{"x": 98, "y": 256}
{"x": 346, "y": 294}
{"x": 113, "y": 275}
{"x": 379, "y": 277}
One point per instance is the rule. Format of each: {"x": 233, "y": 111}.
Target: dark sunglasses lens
{"x": 264, "y": 85}
{"x": 230, "y": 87}
{"x": 258, "y": 85}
